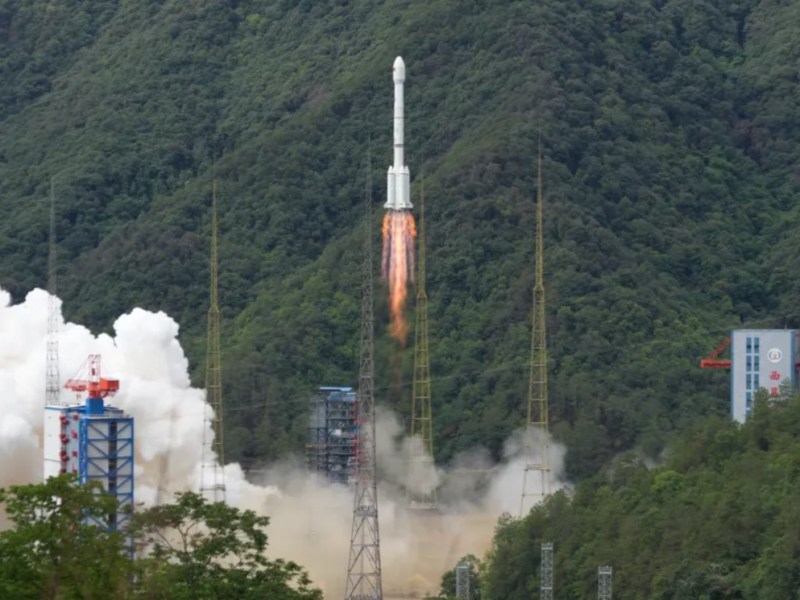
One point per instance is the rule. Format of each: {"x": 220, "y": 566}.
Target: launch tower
{"x": 331, "y": 449}
{"x": 93, "y": 441}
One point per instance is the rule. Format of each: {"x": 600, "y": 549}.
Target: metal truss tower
{"x": 604, "y": 588}
{"x": 535, "y": 487}
{"x": 462, "y": 581}
{"x": 421, "y": 424}
{"x": 212, "y": 469}
{"x": 52, "y": 377}
{"x": 546, "y": 585}
{"x": 364, "y": 564}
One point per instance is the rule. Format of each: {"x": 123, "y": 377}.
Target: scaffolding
{"x": 604, "y": 575}
{"x": 331, "y": 449}
{"x": 546, "y": 585}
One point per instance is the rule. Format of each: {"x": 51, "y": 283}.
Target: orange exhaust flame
{"x": 399, "y": 232}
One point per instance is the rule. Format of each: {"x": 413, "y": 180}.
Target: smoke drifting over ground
{"x": 310, "y": 518}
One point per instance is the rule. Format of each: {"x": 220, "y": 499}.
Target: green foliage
{"x": 186, "y": 550}
{"x": 49, "y": 553}
{"x": 198, "y": 549}
{"x": 669, "y": 131}
{"x": 718, "y": 520}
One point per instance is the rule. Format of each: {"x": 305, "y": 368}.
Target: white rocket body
{"x": 398, "y": 191}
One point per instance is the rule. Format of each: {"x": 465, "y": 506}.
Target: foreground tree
{"x": 189, "y": 549}
{"x": 50, "y": 553}
{"x": 198, "y": 549}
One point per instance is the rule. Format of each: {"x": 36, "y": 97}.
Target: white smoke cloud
{"x": 310, "y": 518}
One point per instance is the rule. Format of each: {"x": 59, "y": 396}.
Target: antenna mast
{"x": 537, "y": 424}
{"x": 52, "y": 387}
{"x": 364, "y": 564}
{"x": 421, "y": 397}
{"x": 212, "y": 469}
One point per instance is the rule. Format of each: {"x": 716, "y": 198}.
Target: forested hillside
{"x": 670, "y": 131}
{"x": 718, "y": 520}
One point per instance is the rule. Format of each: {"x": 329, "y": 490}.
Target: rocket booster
{"x": 398, "y": 195}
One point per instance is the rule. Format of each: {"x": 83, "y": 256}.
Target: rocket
{"x": 398, "y": 196}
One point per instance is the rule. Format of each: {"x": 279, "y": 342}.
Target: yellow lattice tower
{"x": 535, "y": 482}
{"x": 421, "y": 425}
{"x": 212, "y": 470}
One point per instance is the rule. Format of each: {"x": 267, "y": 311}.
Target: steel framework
{"x": 546, "y": 585}
{"x": 364, "y": 563}
{"x": 421, "y": 424}
{"x": 52, "y": 377}
{"x": 604, "y": 587}
{"x": 212, "y": 469}
{"x": 537, "y": 426}
{"x": 106, "y": 455}
{"x": 462, "y": 581}
{"x": 331, "y": 448}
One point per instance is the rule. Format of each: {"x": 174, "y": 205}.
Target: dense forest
{"x": 669, "y": 131}
{"x": 719, "y": 520}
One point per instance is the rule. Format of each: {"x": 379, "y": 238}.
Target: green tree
{"x": 51, "y": 552}
{"x": 197, "y": 549}
{"x": 188, "y": 549}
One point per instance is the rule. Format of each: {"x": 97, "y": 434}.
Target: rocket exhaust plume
{"x": 399, "y": 229}
{"x": 399, "y": 232}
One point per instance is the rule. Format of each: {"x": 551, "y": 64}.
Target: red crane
{"x": 713, "y": 361}
{"x": 88, "y": 380}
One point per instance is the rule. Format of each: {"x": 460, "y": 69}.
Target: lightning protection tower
{"x": 535, "y": 481}
{"x": 604, "y": 576}
{"x": 364, "y": 564}
{"x": 462, "y": 581}
{"x": 52, "y": 377}
{"x": 421, "y": 425}
{"x": 546, "y": 585}
{"x": 212, "y": 469}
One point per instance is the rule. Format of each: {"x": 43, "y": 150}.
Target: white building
{"x": 761, "y": 358}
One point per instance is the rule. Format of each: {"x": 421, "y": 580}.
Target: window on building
{"x": 749, "y": 362}
{"x": 749, "y": 344}
{"x": 749, "y": 381}
{"x": 755, "y": 382}
{"x": 755, "y": 363}
{"x": 756, "y": 344}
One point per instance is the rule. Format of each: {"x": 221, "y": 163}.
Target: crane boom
{"x": 88, "y": 380}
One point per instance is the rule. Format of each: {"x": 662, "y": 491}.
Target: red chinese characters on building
{"x": 773, "y": 391}
{"x": 775, "y": 376}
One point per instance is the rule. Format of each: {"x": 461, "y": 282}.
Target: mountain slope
{"x": 668, "y": 187}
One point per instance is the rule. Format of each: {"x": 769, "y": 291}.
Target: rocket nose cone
{"x": 399, "y": 69}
